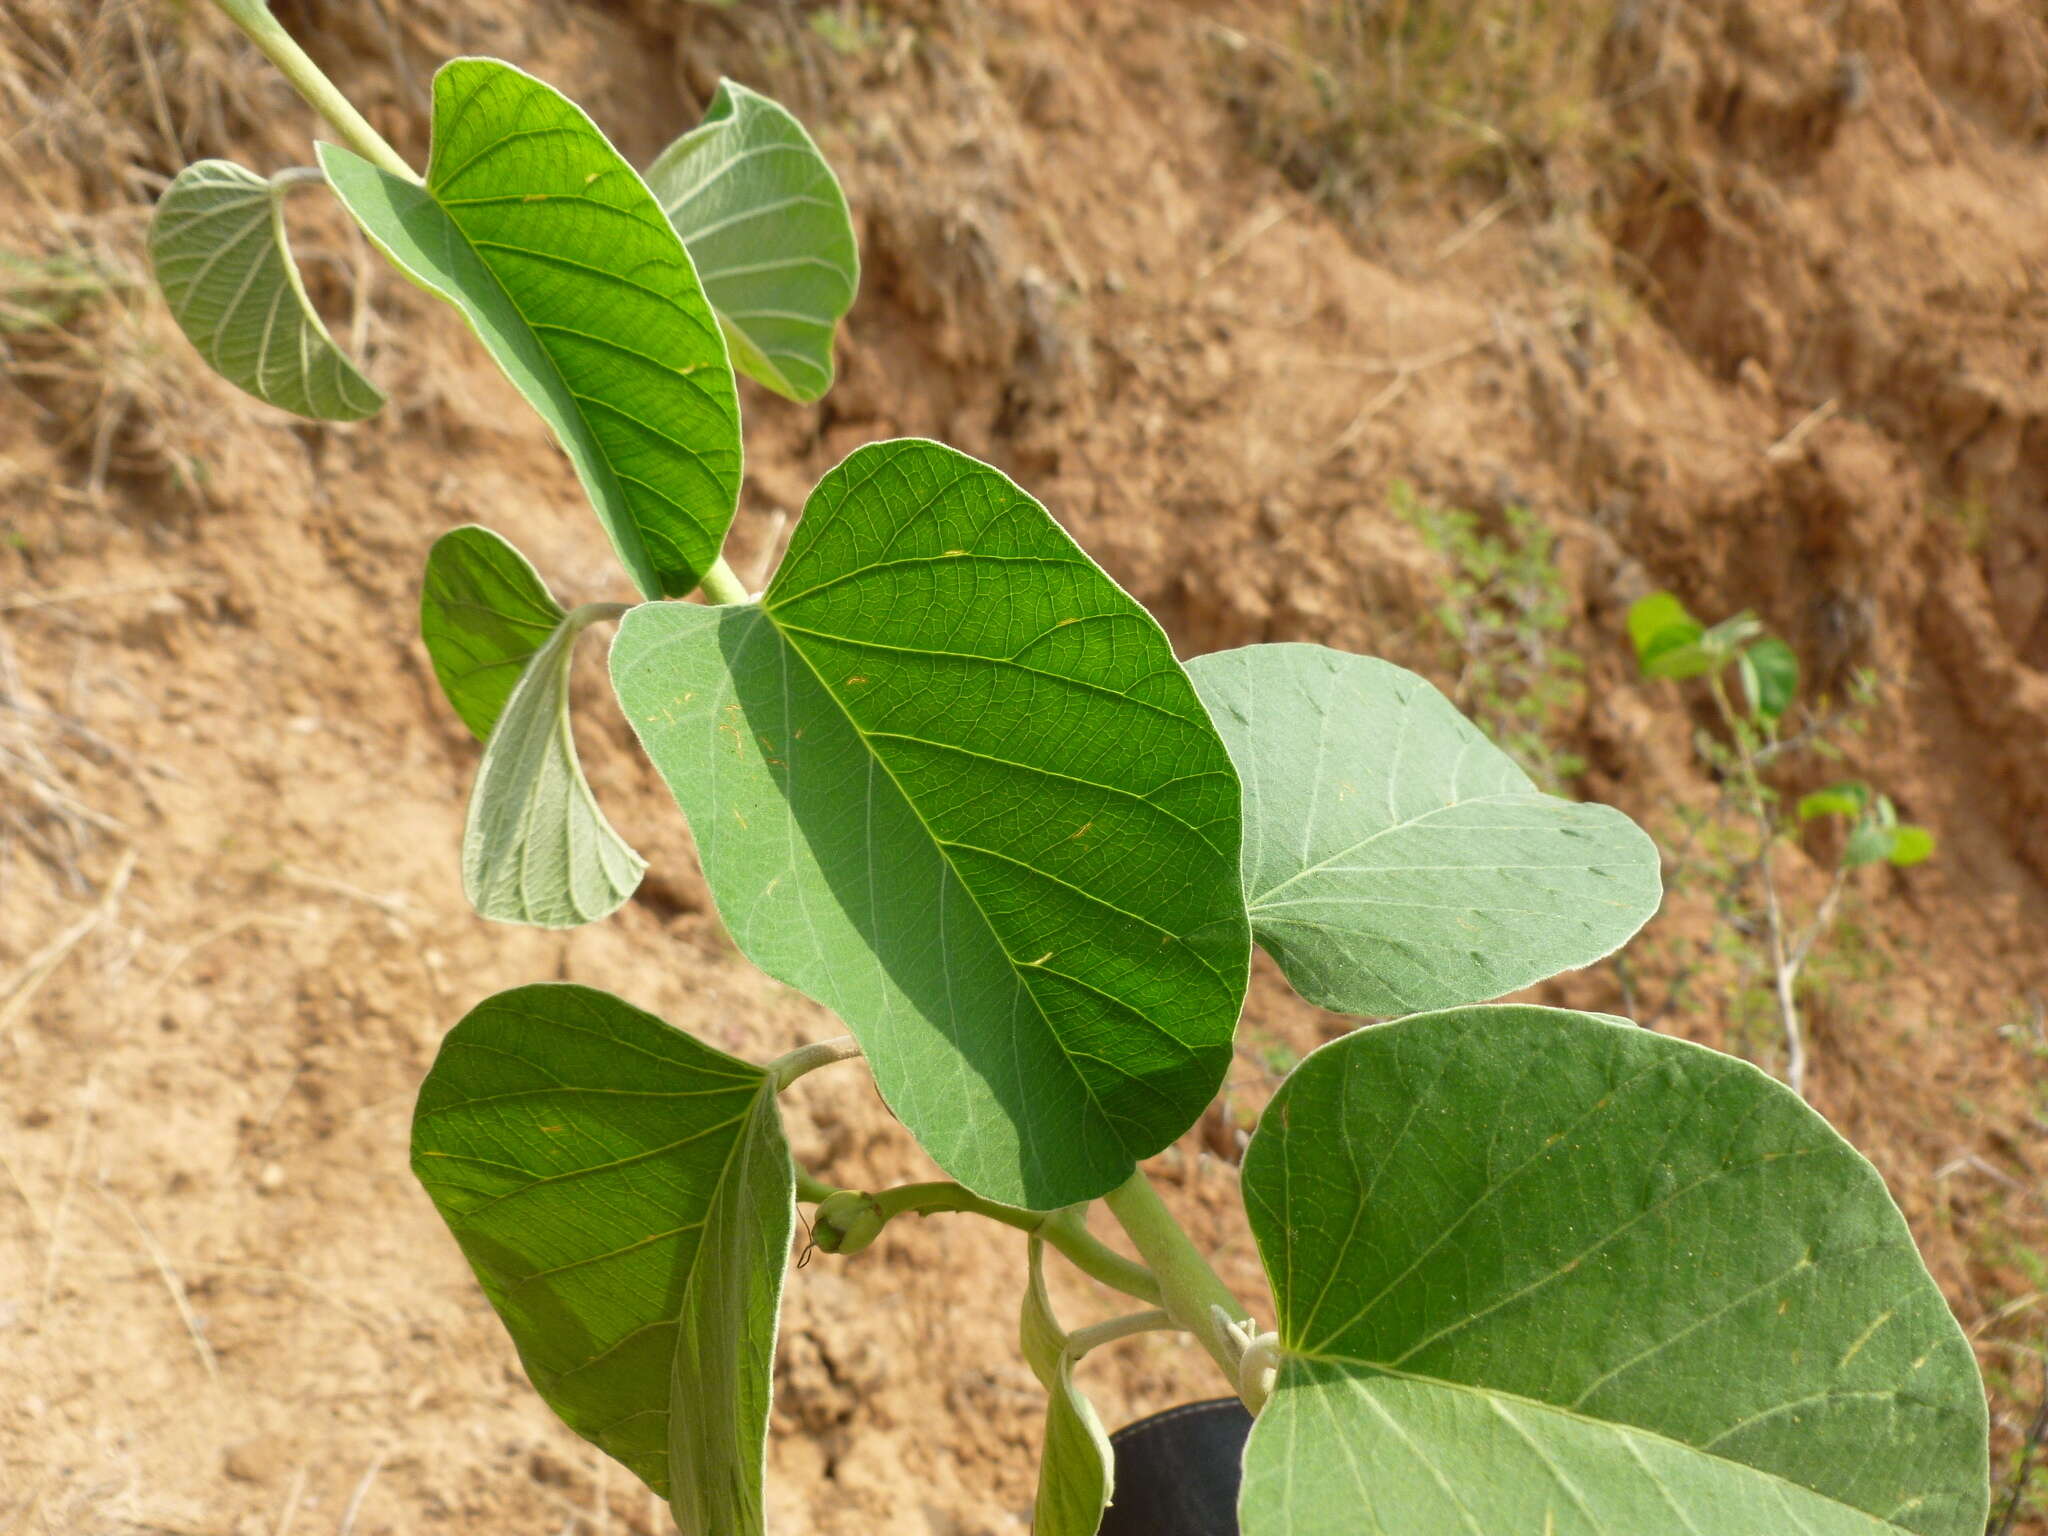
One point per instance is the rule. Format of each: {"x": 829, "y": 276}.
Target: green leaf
{"x": 1870, "y": 842}
{"x": 950, "y": 781}
{"x": 1848, "y": 798}
{"x": 484, "y": 611}
{"x": 536, "y": 848}
{"x": 1394, "y": 859}
{"x": 1667, "y": 638}
{"x": 1077, "y": 1466}
{"x": 767, "y": 225}
{"x": 560, "y": 259}
{"x": 1910, "y": 845}
{"x": 1544, "y": 1272}
{"x": 626, "y": 1198}
{"x": 1770, "y": 677}
{"x": 217, "y": 241}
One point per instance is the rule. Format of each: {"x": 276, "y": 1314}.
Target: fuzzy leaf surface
{"x": 626, "y": 1198}
{"x": 484, "y": 611}
{"x": 562, "y": 262}
{"x": 536, "y": 848}
{"x": 1394, "y": 858}
{"x": 217, "y": 243}
{"x": 949, "y": 780}
{"x": 767, "y": 225}
{"x": 1543, "y": 1271}
{"x": 1077, "y": 1467}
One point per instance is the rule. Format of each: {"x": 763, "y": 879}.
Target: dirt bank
{"x": 1774, "y": 336}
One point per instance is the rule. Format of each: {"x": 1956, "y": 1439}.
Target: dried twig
{"x": 2036, "y": 1437}
{"x": 51, "y": 1255}
{"x": 43, "y": 964}
{"x": 1788, "y": 446}
{"x": 190, "y": 581}
{"x": 192, "y": 947}
{"x": 169, "y": 1276}
{"x": 396, "y": 908}
{"x": 292, "y": 1495}
{"x": 355, "y": 1500}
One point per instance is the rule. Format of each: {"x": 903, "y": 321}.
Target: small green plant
{"x": 1531, "y": 1270}
{"x": 1500, "y": 622}
{"x": 1670, "y": 643}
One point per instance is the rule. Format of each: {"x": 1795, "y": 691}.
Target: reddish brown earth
{"x": 1786, "y": 354}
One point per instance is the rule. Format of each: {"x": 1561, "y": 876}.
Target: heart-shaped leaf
{"x": 562, "y": 262}
{"x": 626, "y": 1198}
{"x": 1540, "y": 1271}
{"x": 1394, "y": 859}
{"x": 536, "y": 848}
{"x": 1077, "y": 1466}
{"x": 484, "y": 611}
{"x": 1667, "y": 639}
{"x": 950, "y": 781}
{"x": 218, "y": 244}
{"x": 767, "y": 225}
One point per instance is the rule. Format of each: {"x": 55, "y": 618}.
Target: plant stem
{"x": 1193, "y": 1295}
{"x": 1066, "y": 1230}
{"x": 1082, "y": 1340}
{"x": 278, "y": 45}
{"x": 1784, "y": 968}
{"x": 786, "y": 1069}
{"x": 576, "y": 620}
{"x": 721, "y": 585}
{"x": 811, "y": 1189}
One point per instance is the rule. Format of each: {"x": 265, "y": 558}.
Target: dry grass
{"x": 107, "y": 110}
{"x": 1358, "y": 100}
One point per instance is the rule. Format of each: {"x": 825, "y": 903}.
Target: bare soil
{"x": 1789, "y": 353}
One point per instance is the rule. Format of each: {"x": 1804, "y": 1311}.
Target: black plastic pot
{"x": 1177, "y": 1472}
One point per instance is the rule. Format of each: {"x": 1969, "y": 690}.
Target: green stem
{"x": 278, "y": 45}
{"x": 811, "y": 1189}
{"x": 576, "y": 620}
{"x": 864, "y": 1216}
{"x": 720, "y": 585}
{"x": 1784, "y": 970}
{"x": 1193, "y": 1295}
{"x": 1095, "y": 1335}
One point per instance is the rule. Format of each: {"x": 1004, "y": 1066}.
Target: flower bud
{"x": 846, "y": 1222}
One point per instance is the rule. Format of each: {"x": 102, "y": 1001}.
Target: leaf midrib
{"x": 1493, "y": 1395}
{"x": 1400, "y": 826}
{"x": 940, "y": 845}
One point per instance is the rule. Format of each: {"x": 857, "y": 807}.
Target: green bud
{"x": 846, "y": 1222}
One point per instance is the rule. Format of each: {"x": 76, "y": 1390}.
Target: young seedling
{"x": 1670, "y": 643}
{"x": 1532, "y": 1270}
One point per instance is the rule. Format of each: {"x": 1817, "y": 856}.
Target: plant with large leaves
{"x": 1532, "y": 1270}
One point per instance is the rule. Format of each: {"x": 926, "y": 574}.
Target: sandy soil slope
{"x": 1791, "y": 359}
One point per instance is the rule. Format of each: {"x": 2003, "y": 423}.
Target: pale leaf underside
{"x": 1076, "y": 1466}
{"x": 1394, "y": 858}
{"x": 217, "y": 243}
{"x": 536, "y": 847}
{"x": 765, "y": 221}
